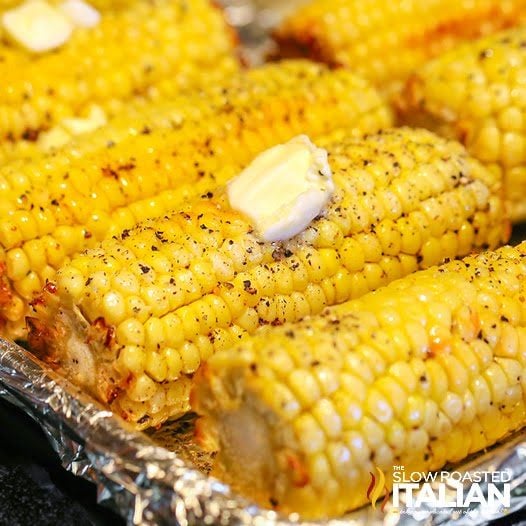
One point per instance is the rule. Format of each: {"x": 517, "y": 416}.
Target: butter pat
{"x": 53, "y": 138}
{"x": 79, "y": 125}
{"x": 283, "y": 189}
{"x": 80, "y": 13}
{"x": 62, "y": 133}
{"x": 37, "y": 26}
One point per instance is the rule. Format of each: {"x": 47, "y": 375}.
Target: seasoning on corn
{"x": 384, "y": 42}
{"x": 476, "y": 94}
{"x": 145, "y": 50}
{"x": 158, "y": 300}
{"x": 146, "y": 162}
{"x": 420, "y": 373}
{"x": 283, "y": 189}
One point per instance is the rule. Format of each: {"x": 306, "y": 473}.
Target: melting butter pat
{"x": 79, "y": 125}
{"x": 69, "y": 127}
{"x": 37, "y": 26}
{"x": 283, "y": 189}
{"x": 80, "y": 13}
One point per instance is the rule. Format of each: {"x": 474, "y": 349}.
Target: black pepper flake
{"x": 154, "y": 249}
{"x": 144, "y": 268}
{"x": 143, "y": 419}
{"x": 54, "y": 202}
{"x": 125, "y": 233}
{"x": 247, "y": 286}
{"x": 281, "y": 253}
{"x": 289, "y": 334}
{"x": 87, "y": 234}
{"x": 127, "y": 166}
{"x": 108, "y": 171}
{"x": 30, "y": 134}
{"x": 88, "y": 281}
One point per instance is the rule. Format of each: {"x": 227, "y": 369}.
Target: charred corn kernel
{"x": 357, "y": 34}
{"x": 129, "y": 54}
{"x": 102, "y": 184}
{"x": 265, "y": 289}
{"x": 422, "y": 412}
{"x": 487, "y": 117}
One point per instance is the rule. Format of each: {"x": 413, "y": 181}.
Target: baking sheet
{"x": 161, "y": 477}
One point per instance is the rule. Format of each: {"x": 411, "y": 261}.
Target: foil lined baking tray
{"x": 161, "y": 477}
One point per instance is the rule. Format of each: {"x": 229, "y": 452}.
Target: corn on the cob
{"x": 102, "y": 5}
{"x": 385, "y": 41}
{"x": 149, "y": 49}
{"x": 476, "y": 94}
{"x": 132, "y": 320}
{"x": 423, "y": 372}
{"x": 104, "y": 183}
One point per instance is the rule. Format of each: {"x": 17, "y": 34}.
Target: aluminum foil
{"x": 161, "y": 477}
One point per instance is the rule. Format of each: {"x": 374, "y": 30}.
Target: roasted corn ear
{"x": 145, "y": 163}
{"x": 132, "y": 320}
{"x": 98, "y": 4}
{"x": 476, "y": 94}
{"x": 420, "y": 373}
{"x": 384, "y": 41}
{"x": 148, "y": 50}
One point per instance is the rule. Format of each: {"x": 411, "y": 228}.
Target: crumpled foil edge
{"x": 148, "y": 484}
